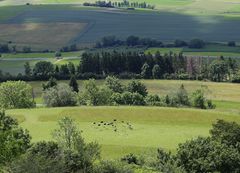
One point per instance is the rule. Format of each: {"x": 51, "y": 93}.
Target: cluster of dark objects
{"x": 113, "y": 124}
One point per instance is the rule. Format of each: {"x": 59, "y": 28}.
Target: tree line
{"x": 131, "y": 64}
{"x": 67, "y": 152}
{"x": 19, "y": 94}
{"x": 111, "y": 41}
{"x": 123, "y": 4}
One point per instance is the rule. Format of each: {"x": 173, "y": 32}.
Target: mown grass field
{"x": 152, "y": 127}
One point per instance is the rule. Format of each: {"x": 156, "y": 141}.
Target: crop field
{"x": 138, "y": 129}
{"x": 84, "y": 26}
{"x": 40, "y": 35}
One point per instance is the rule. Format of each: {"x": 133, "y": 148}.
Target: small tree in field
{"x": 16, "y": 94}
{"x": 79, "y": 155}
{"x": 60, "y": 95}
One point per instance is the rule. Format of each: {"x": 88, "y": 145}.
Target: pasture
{"x": 151, "y": 127}
{"x": 84, "y": 26}
{"x": 122, "y": 129}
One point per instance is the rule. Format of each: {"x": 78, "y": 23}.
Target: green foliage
{"x": 146, "y": 71}
{"x": 227, "y": 133}
{"x": 51, "y": 83}
{"x": 58, "y": 54}
{"x": 13, "y": 139}
{"x": 130, "y": 159}
{"x": 137, "y": 87}
{"x": 153, "y": 100}
{"x": 94, "y": 95}
{"x": 79, "y": 156}
{"x": 114, "y": 84}
{"x": 218, "y": 70}
{"x": 16, "y": 94}
{"x": 41, "y": 157}
{"x": 182, "y": 96}
{"x": 156, "y": 72}
{"x": 60, "y": 95}
{"x": 207, "y": 155}
{"x": 198, "y": 99}
{"x": 27, "y": 69}
{"x": 112, "y": 167}
{"x": 43, "y": 69}
{"x": 73, "y": 84}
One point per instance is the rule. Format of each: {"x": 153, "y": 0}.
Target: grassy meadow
{"x": 151, "y": 127}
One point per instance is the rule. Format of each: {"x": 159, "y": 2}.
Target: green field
{"x": 152, "y": 127}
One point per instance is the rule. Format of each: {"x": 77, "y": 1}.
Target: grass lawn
{"x": 152, "y": 127}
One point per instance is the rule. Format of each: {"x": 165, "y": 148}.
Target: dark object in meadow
{"x": 115, "y": 120}
{"x": 101, "y": 121}
{"x": 99, "y": 124}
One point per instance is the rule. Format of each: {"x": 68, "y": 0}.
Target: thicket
{"x": 113, "y": 92}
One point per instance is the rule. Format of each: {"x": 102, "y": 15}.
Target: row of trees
{"x": 130, "y": 64}
{"x": 124, "y": 4}
{"x": 69, "y": 152}
{"x": 113, "y": 92}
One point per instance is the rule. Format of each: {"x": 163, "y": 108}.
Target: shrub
{"x": 182, "y": 96}
{"x": 94, "y": 95}
{"x": 60, "y": 95}
{"x": 153, "y": 100}
{"x": 16, "y": 94}
{"x": 114, "y": 84}
{"x": 130, "y": 159}
{"x": 137, "y": 87}
{"x": 41, "y": 157}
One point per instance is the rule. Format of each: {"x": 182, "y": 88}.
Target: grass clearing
{"x": 152, "y": 127}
